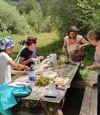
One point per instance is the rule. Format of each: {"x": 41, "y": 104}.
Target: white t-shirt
{"x": 5, "y": 69}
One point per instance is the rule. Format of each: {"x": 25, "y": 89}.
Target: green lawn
{"x": 47, "y": 43}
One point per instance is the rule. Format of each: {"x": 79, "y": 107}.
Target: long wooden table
{"x": 51, "y": 106}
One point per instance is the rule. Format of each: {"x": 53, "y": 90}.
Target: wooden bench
{"x": 89, "y": 103}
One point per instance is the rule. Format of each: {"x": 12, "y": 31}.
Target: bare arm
{"x": 21, "y": 61}
{"x": 98, "y": 50}
{"x": 84, "y": 42}
{"x": 17, "y": 66}
{"x": 64, "y": 48}
{"x": 18, "y": 72}
{"x": 96, "y": 65}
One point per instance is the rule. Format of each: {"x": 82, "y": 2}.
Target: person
{"x": 73, "y": 41}
{"x": 94, "y": 38}
{"x": 29, "y": 54}
{"x": 6, "y": 62}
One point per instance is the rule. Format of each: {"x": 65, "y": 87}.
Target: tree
{"x": 63, "y": 12}
{"x": 32, "y": 11}
{"x": 11, "y": 20}
{"x": 71, "y": 12}
{"x": 95, "y": 22}
{"x": 26, "y": 6}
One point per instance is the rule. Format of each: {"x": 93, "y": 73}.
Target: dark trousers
{"x": 98, "y": 106}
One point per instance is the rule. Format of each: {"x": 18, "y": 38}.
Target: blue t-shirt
{"x": 27, "y": 54}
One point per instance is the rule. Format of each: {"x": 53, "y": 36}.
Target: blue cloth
{"x": 7, "y": 99}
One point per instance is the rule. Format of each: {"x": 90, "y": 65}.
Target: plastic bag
{"x": 7, "y": 99}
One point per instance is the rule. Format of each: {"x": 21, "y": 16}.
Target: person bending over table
{"x": 6, "y": 62}
{"x": 29, "y": 53}
{"x": 94, "y": 38}
{"x": 73, "y": 41}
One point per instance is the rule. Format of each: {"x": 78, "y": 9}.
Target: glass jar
{"x": 52, "y": 87}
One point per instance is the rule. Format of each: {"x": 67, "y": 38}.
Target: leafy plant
{"x": 10, "y": 19}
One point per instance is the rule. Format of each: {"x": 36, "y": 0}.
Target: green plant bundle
{"x": 85, "y": 73}
{"x": 43, "y": 81}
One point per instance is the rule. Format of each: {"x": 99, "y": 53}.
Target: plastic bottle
{"x": 32, "y": 77}
{"x": 52, "y": 87}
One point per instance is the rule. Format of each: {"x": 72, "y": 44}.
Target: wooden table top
{"x": 67, "y": 72}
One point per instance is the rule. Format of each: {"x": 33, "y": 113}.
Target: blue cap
{"x": 31, "y": 78}
{"x": 6, "y": 42}
{"x": 31, "y": 69}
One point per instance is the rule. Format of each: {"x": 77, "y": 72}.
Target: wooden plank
{"x": 91, "y": 80}
{"x": 69, "y": 72}
{"x": 85, "y": 108}
{"x": 51, "y": 105}
{"x": 60, "y": 112}
{"x": 51, "y": 109}
{"x": 37, "y": 93}
{"x": 93, "y": 108}
{"x": 89, "y": 104}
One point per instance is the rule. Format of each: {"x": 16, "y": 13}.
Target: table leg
{"x": 51, "y": 109}
{"x": 59, "y": 112}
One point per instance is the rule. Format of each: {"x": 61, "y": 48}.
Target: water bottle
{"x": 32, "y": 77}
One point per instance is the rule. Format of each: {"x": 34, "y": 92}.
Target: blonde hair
{"x": 92, "y": 34}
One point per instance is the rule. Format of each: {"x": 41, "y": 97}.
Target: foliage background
{"x": 43, "y": 18}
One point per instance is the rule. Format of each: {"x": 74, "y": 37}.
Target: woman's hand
{"x": 23, "y": 72}
{"x": 26, "y": 68}
{"x": 92, "y": 67}
{"x": 19, "y": 72}
{"x": 41, "y": 57}
{"x": 32, "y": 59}
{"x": 79, "y": 47}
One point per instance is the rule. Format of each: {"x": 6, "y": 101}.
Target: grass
{"x": 47, "y": 43}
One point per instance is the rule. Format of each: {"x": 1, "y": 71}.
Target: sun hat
{"x": 6, "y": 42}
{"x": 72, "y": 29}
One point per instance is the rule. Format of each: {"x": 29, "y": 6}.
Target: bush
{"x": 11, "y": 20}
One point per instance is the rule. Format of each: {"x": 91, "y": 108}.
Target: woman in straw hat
{"x": 73, "y": 41}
